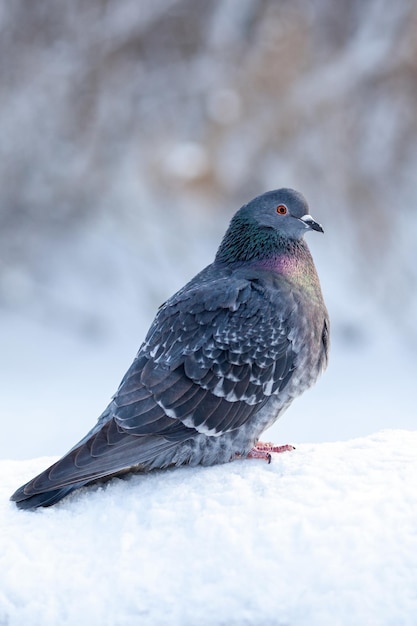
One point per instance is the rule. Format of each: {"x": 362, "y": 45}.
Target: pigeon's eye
{"x": 282, "y": 209}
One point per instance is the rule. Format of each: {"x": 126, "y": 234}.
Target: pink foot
{"x": 263, "y": 451}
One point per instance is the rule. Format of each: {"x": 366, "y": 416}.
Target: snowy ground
{"x": 325, "y": 535}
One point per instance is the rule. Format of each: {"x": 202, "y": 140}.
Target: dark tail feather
{"x": 48, "y": 498}
{"x": 106, "y": 453}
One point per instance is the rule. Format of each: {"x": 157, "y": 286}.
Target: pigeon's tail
{"x": 107, "y": 453}
{"x": 48, "y": 498}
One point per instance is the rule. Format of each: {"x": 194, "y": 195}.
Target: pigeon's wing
{"x": 213, "y": 356}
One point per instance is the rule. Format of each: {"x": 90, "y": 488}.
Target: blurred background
{"x": 130, "y": 133}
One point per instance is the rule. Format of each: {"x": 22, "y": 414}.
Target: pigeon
{"x": 223, "y": 359}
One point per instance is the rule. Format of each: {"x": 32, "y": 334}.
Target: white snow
{"x": 325, "y": 535}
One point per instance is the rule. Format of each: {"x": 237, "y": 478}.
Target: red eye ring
{"x": 281, "y": 209}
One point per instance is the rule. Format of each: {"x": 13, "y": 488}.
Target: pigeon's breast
{"x": 308, "y": 334}
{"x": 295, "y": 289}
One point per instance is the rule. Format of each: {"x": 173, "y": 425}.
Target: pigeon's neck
{"x": 244, "y": 241}
{"x": 265, "y": 249}
{"x": 247, "y": 242}
{"x": 296, "y": 266}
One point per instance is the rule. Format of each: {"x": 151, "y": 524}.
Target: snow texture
{"x": 325, "y": 535}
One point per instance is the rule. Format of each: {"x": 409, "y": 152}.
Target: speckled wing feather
{"x": 213, "y": 356}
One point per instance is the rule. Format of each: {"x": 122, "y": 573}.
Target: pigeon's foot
{"x": 263, "y": 450}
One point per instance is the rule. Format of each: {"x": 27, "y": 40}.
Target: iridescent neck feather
{"x": 264, "y": 248}
{"x": 246, "y": 241}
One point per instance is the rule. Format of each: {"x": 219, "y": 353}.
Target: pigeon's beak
{"x": 311, "y": 224}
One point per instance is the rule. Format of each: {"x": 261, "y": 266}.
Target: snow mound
{"x": 324, "y": 535}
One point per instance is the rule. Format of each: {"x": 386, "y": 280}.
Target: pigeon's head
{"x": 283, "y": 210}
{"x": 266, "y": 225}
